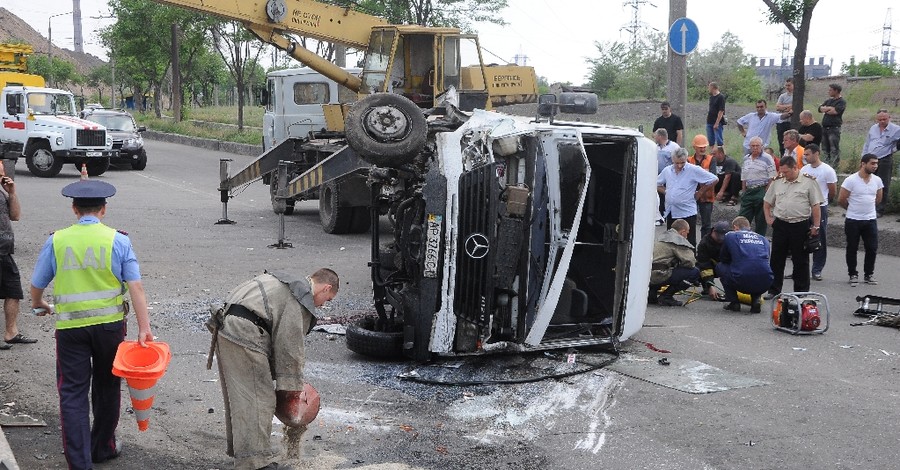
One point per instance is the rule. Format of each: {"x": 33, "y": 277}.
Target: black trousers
{"x": 868, "y": 231}
{"x": 779, "y": 129}
{"x": 788, "y": 238}
{"x": 84, "y": 364}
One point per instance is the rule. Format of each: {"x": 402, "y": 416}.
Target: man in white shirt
{"x": 860, "y": 193}
{"x": 758, "y": 124}
{"x": 665, "y": 148}
{"x": 827, "y": 179}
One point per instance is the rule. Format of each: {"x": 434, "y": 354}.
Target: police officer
{"x": 744, "y": 264}
{"x": 789, "y": 202}
{"x": 90, "y": 264}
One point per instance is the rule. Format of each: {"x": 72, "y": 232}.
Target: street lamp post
{"x": 50, "y": 47}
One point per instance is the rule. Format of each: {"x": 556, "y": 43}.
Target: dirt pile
{"x": 14, "y": 29}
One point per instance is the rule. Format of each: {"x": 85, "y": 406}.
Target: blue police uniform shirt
{"x": 124, "y": 262}
{"x": 747, "y": 253}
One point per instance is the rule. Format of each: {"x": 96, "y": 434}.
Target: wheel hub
{"x": 387, "y": 123}
{"x": 42, "y": 159}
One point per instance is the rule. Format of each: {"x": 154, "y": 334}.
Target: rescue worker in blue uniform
{"x": 744, "y": 264}
{"x": 90, "y": 265}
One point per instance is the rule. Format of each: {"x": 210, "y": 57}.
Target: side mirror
{"x": 547, "y": 105}
{"x": 142, "y": 128}
{"x": 578, "y": 103}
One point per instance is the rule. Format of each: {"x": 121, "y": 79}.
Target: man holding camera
{"x": 10, "y": 282}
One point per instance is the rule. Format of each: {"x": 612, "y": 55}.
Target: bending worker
{"x": 258, "y": 336}
{"x": 744, "y": 265}
{"x": 90, "y": 265}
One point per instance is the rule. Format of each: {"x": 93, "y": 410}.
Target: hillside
{"x": 14, "y": 29}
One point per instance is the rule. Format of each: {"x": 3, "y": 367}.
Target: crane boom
{"x": 307, "y": 18}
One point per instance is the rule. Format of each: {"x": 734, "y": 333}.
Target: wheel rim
{"x": 386, "y": 123}
{"x": 42, "y": 159}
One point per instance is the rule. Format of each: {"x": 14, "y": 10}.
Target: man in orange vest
{"x": 707, "y": 197}
{"x": 90, "y": 265}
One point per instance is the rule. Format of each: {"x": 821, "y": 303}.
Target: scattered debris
{"x": 799, "y": 349}
{"x": 664, "y": 361}
{"x": 406, "y": 427}
{"x": 442, "y": 450}
{"x": 846, "y": 346}
{"x": 886, "y": 353}
{"x": 211, "y": 411}
{"x": 331, "y": 328}
{"x": 13, "y": 421}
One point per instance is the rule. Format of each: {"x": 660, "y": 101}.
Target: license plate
{"x": 95, "y": 154}
{"x": 433, "y": 245}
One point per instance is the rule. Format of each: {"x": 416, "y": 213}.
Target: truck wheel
{"x": 41, "y": 161}
{"x": 362, "y": 220}
{"x": 363, "y": 338}
{"x": 386, "y": 129}
{"x": 97, "y": 166}
{"x": 287, "y": 205}
{"x": 336, "y": 219}
{"x": 141, "y": 161}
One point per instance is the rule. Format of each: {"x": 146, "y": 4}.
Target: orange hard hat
{"x": 700, "y": 141}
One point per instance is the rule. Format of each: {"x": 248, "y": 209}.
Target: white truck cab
{"x": 294, "y": 99}
{"x": 42, "y": 125}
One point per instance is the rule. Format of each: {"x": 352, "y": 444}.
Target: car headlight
{"x": 109, "y": 140}
{"x": 60, "y": 141}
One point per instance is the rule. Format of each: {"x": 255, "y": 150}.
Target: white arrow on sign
{"x": 684, "y": 29}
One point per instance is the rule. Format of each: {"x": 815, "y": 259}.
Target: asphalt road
{"x": 824, "y": 401}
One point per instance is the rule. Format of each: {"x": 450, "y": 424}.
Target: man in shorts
{"x": 10, "y": 283}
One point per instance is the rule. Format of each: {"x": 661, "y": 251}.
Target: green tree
{"x": 240, "y": 51}
{"x": 63, "y": 72}
{"x": 869, "y": 68}
{"x": 796, "y": 16}
{"x": 140, "y": 42}
{"x": 723, "y": 64}
{"x": 462, "y": 14}
{"x": 605, "y": 69}
{"x": 100, "y": 77}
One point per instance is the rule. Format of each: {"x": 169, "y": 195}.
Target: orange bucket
{"x": 141, "y": 367}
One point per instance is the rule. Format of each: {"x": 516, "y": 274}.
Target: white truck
{"x": 42, "y": 125}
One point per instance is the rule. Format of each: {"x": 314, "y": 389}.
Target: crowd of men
{"x": 789, "y": 191}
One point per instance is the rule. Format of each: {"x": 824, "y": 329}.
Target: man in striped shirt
{"x": 757, "y": 172}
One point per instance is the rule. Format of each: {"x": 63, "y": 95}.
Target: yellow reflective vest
{"x": 85, "y": 289}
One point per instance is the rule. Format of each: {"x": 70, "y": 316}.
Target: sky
{"x": 557, "y": 36}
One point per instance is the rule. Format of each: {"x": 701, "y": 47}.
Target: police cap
{"x": 89, "y": 193}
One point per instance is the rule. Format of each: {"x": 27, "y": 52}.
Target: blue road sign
{"x": 684, "y": 36}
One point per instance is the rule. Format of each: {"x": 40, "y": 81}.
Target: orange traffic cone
{"x": 141, "y": 367}
{"x": 84, "y": 174}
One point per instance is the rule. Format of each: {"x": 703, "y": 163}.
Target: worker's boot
{"x": 667, "y": 300}
{"x": 732, "y": 306}
{"x": 756, "y": 305}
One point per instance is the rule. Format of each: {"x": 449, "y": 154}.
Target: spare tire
{"x": 386, "y": 129}
{"x": 362, "y": 338}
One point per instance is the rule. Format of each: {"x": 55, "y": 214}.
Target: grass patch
{"x": 247, "y": 136}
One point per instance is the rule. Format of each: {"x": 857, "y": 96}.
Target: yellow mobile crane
{"x": 416, "y": 61}
{"x": 407, "y": 69}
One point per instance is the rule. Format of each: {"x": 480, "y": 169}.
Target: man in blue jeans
{"x": 860, "y": 193}
{"x": 715, "y": 117}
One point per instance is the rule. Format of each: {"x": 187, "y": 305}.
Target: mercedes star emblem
{"x": 477, "y": 246}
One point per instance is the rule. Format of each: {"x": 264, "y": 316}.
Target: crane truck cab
{"x": 294, "y": 99}
{"x": 42, "y": 125}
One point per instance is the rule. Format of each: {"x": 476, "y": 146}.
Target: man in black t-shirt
{"x": 810, "y": 131}
{"x": 671, "y": 123}
{"x": 729, "y": 172}
{"x": 832, "y": 118}
{"x": 715, "y": 117}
